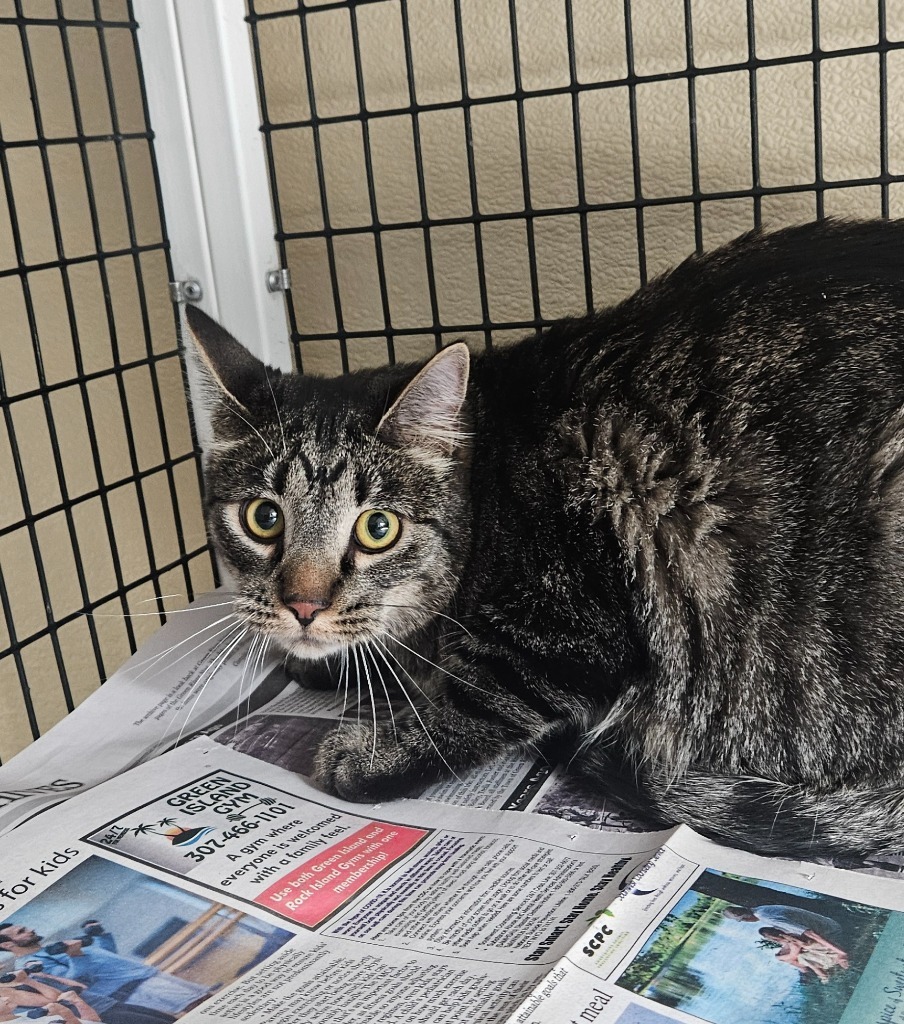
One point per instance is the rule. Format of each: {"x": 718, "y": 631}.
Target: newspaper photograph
{"x": 807, "y": 949}
{"x": 94, "y": 908}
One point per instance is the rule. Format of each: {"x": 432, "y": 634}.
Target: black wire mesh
{"x": 315, "y": 105}
{"x": 99, "y": 464}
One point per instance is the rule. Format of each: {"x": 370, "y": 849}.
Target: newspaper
{"x": 704, "y": 933}
{"x": 208, "y": 884}
{"x": 194, "y": 671}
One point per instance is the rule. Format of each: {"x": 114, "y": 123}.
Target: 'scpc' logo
{"x": 177, "y": 835}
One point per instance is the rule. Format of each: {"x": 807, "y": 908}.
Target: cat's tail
{"x": 757, "y": 814}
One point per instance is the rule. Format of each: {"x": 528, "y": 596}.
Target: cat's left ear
{"x": 428, "y": 411}
{"x": 227, "y": 363}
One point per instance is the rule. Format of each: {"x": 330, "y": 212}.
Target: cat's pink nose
{"x": 304, "y": 608}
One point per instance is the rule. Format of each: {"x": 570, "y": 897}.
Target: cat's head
{"x": 339, "y": 505}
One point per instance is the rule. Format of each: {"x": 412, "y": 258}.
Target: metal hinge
{"x": 279, "y": 280}
{"x": 186, "y": 291}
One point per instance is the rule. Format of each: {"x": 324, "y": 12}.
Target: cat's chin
{"x": 311, "y": 648}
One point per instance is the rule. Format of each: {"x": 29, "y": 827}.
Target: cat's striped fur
{"x": 674, "y": 528}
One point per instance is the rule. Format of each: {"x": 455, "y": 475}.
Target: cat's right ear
{"x": 226, "y": 363}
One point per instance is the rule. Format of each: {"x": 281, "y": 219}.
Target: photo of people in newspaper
{"x": 574, "y": 799}
{"x": 106, "y": 943}
{"x": 737, "y": 950}
{"x": 288, "y": 741}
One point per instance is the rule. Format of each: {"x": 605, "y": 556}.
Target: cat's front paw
{"x": 350, "y": 764}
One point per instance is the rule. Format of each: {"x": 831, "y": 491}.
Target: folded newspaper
{"x": 160, "y": 861}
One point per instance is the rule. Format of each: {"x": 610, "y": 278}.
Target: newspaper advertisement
{"x": 212, "y": 886}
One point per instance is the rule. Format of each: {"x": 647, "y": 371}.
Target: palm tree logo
{"x": 177, "y": 835}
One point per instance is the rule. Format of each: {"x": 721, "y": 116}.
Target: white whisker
{"x": 354, "y": 651}
{"x": 252, "y": 647}
{"x": 282, "y": 432}
{"x": 265, "y": 650}
{"x": 238, "y": 462}
{"x": 230, "y": 408}
{"x": 442, "y": 615}
{"x": 401, "y": 665}
{"x": 439, "y": 668}
{"x": 424, "y": 727}
{"x": 149, "y": 663}
{"x": 383, "y": 683}
{"x": 343, "y": 678}
{"x": 156, "y": 614}
{"x": 373, "y": 704}
{"x": 207, "y": 675}
{"x": 231, "y": 631}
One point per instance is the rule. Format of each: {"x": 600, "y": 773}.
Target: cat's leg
{"x": 469, "y": 721}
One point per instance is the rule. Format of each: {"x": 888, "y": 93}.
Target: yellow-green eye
{"x": 377, "y": 529}
{"x": 263, "y": 519}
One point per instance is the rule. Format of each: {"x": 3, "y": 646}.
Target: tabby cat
{"x": 672, "y": 530}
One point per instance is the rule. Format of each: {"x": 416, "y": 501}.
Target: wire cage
{"x": 101, "y": 492}
{"x": 479, "y": 167}
{"x": 438, "y": 169}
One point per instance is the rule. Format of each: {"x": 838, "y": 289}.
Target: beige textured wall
{"x": 850, "y": 105}
{"x": 59, "y": 379}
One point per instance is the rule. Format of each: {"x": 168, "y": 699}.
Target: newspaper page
{"x": 199, "y": 668}
{"x": 200, "y": 674}
{"x": 703, "y": 933}
{"x": 210, "y": 884}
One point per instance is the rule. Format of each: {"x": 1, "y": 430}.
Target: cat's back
{"x": 784, "y": 349}
{"x": 776, "y": 362}
{"x": 780, "y": 321}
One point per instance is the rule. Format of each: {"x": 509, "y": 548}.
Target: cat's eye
{"x": 262, "y": 519}
{"x": 377, "y": 529}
